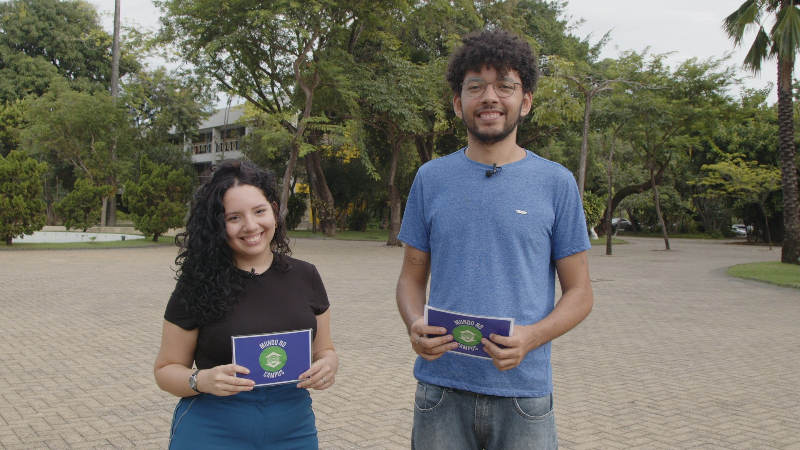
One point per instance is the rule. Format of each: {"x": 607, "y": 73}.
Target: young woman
{"x": 235, "y": 278}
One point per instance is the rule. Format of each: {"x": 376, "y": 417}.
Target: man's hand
{"x": 433, "y": 347}
{"x": 518, "y": 345}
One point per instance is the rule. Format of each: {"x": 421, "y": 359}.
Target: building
{"x": 218, "y": 138}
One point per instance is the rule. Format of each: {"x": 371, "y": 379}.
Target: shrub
{"x": 295, "y": 209}
{"x": 358, "y": 220}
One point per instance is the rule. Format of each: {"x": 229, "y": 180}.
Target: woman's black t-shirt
{"x": 273, "y": 301}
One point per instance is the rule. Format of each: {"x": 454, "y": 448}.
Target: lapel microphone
{"x": 250, "y": 274}
{"x": 493, "y": 170}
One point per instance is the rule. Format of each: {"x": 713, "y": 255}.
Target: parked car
{"x": 621, "y": 223}
{"x": 739, "y": 229}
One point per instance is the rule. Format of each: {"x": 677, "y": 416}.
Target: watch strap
{"x": 194, "y": 378}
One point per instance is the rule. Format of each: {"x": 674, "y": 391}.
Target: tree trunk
{"x": 584, "y": 144}
{"x": 424, "y": 146}
{"x": 155, "y": 237}
{"x": 395, "y": 216}
{"x": 103, "y": 212}
{"x": 111, "y": 220}
{"x": 657, "y": 202}
{"x": 324, "y": 199}
{"x": 766, "y": 222}
{"x": 790, "y": 254}
{"x": 635, "y": 189}
{"x": 609, "y": 210}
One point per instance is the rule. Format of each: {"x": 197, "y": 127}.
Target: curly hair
{"x": 495, "y": 48}
{"x": 208, "y": 282}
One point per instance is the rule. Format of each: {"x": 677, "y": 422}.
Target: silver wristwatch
{"x": 193, "y": 381}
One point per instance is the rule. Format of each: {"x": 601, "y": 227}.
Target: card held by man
{"x": 468, "y": 330}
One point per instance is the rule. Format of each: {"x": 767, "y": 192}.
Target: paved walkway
{"x": 675, "y": 355}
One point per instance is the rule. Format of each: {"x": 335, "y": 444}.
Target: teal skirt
{"x": 275, "y": 418}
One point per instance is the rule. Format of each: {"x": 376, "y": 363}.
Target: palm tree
{"x": 782, "y": 42}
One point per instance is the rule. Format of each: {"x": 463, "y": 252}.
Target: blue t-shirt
{"x": 493, "y": 243}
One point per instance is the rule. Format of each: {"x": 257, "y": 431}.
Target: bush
{"x": 158, "y": 201}
{"x": 295, "y": 209}
{"x": 358, "y": 220}
{"x": 81, "y": 208}
{"x": 593, "y": 207}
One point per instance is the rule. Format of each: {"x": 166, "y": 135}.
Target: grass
{"x": 383, "y": 236}
{"x": 649, "y": 234}
{"x": 133, "y": 243}
{"x": 772, "y": 272}
{"x": 369, "y": 235}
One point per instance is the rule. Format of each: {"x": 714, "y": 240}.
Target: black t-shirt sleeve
{"x": 320, "y": 302}
{"x": 176, "y": 313}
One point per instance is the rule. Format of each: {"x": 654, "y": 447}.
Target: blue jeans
{"x": 275, "y": 417}
{"x": 450, "y": 418}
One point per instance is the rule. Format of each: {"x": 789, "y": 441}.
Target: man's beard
{"x": 489, "y": 138}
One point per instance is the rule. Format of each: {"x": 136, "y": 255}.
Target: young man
{"x": 491, "y": 224}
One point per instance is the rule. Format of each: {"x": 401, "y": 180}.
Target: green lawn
{"x": 383, "y": 236}
{"x": 369, "y": 235}
{"x": 147, "y": 242}
{"x": 773, "y": 272}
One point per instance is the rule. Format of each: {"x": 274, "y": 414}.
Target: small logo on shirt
{"x": 519, "y": 211}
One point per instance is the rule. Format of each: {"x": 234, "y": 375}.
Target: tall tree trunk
{"x": 657, "y": 202}
{"x": 790, "y": 252}
{"x": 609, "y": 210}
{"x": 424, "y": 146}
{"x": 766, "y": 222}
{"x": 286, "y": 189}
{"x": 322, "y": 194}
{"x": 394, "y": 198}
{"x": 584, "y": 143}
{"x": 103, "y": 212}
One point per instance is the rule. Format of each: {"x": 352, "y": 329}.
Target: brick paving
{"x": 675, "y": 355}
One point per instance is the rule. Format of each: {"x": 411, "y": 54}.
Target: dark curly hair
{"x": 496, "y": 48}
{"x": 209, "y": 283}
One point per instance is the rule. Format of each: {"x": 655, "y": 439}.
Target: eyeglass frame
{"x": 485, "y": 84}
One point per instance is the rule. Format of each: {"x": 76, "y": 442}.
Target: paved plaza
{"x": 675, "y": 354}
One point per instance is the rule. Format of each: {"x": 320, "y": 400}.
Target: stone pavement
{"x": 675, "y": 355}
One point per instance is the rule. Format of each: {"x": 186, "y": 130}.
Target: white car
{"x": 739, "y": 229}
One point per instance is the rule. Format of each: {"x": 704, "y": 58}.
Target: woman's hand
{"x": 322, "y": 373}
{"x": 221, "y": 380}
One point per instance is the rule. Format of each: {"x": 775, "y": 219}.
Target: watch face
{"x": 192, "y": 382}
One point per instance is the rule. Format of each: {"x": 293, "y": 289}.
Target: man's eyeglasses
{"x": 476, "y": 88}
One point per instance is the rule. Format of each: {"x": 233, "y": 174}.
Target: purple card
{"x": 468, "y": 330}
{"x": 273, "y": 358}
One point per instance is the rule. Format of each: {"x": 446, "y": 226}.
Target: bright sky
{"x": 690, "y": 28}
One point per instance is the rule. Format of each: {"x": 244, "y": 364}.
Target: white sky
{"x": 689, "y": 28}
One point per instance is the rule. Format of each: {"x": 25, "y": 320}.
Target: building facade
{"x": 218, "y": 139}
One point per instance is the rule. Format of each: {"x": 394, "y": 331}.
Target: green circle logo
{"x": 272, "y": 359}
{"x": 467, "y": 335}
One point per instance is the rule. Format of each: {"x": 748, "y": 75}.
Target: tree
{"x": 164, "y": 104}
{"x": 268, "y": 53}
{"x": 22, "y": 210}
{"x": 158, "y": 201}
{"x": 400, "y": 93}
{"x": 81, "y": 208}
{"x": 746, "y": 180}
{"x": 86, "y": 130}
{"x": 782, "y": 42}
{"x": 668, "y": 120}
{"x": 41, "y": 38}
{"x": 589, "y": 84}
{"x": 12, "y": 117}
